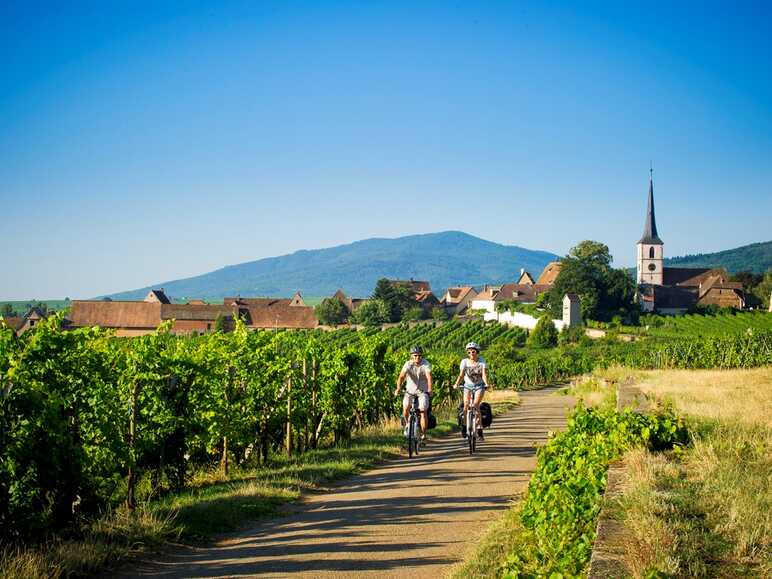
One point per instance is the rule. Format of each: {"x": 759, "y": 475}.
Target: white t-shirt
{"x": 417, "y": 376}
{"x": 473, "y": 372}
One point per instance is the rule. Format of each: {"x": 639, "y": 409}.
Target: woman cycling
{"x": 474, "y": 372}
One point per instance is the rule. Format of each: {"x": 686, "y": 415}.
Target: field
{"x": 705, "y": 511}
{"x": 92, "y": 424}
{"x": 704, "y": 325}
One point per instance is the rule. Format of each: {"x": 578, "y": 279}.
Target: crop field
{"x": 704, "y": 325}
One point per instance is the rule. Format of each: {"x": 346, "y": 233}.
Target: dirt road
{"x": 408, "y": 518}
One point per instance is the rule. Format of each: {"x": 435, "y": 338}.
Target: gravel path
{"x": 407, "y": 518}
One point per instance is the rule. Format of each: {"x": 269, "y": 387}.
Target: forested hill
{"x": 444, "y": 259}
{"x": 756, "y": 257}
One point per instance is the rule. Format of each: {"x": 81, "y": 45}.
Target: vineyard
{"x": 703, "y": 325}
{"x": 88, "y": 420}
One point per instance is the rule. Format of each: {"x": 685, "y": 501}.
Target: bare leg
{"x": 424, "y": 422}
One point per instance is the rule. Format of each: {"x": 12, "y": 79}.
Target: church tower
{"x": 650, "y": 246}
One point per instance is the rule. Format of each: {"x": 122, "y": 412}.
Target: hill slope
{"x": 444, "y": 259}
{"x": 756, "y": 257}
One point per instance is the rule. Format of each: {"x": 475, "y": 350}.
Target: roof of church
{"x": 650, "y": 225}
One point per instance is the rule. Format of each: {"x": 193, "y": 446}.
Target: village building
{"x": 273, "y": 313}
{"x": 456, "y": 300}
{"x": 20, "y": 324}
{"x": 137, "y": 318}
{"x": 351, "y": 304}
{"x": 524, "y": 292}
{"x": 676, "y": 290}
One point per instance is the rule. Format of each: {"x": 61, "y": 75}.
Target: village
{"x": 661, "y": 289}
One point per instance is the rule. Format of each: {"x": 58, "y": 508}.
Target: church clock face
{"x": 652, "y": 266}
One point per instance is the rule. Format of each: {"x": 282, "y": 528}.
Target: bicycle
{"x": 413, "y": 428}
{"x": 472, "y": 424}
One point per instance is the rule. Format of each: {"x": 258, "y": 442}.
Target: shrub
{"x": 545, "y": 334}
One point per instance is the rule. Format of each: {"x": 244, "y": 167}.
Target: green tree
{"x": 7, "y": 310}
{"x": 331, "y": 312}
{"x": 371, "y": 313}
{"x": 398, "y": 298}
{"x": 545, "y": 334}
{"x": 439, "y": 313}
{"x": 413, "y": 314}
{"x": 764, "y": 289}
{"x": 605, "y": 292}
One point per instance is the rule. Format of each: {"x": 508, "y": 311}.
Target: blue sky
{"x": 141, "y": 144}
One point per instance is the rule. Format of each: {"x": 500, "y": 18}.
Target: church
{"x": 676, "y": 290}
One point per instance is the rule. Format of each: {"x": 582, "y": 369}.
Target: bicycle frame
{"x": 472, "y": 424}
{"x": 413, "y": 427}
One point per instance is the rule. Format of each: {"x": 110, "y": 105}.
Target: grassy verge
{"x": 705, "y": 511}
{"x": 215, "y": 505}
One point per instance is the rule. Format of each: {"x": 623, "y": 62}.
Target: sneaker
{"x": 480, "y": 434}
{"x": 422, "y": 440}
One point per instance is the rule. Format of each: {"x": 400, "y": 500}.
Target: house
{"x": 351, "y": 304}
{"x": 427, "y": 300}
{"x": 675, "y": 290}
{"x": 20, "y": 324}
{"x": 273, "y": 313}
{"x": 525, "y": 278}
{"x": 456, "y": 300}
{"x": 550, "y": 273}
{"x": 514, "y": 292}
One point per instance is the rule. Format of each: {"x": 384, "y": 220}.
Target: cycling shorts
{"x": 423, "y": 401}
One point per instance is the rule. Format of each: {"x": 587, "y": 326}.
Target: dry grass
{"x": 593, "y": 391}
{"x": 726, "y": 395}
{"x": 706, "y": 510}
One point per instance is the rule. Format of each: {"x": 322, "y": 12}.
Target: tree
{"x": 331, "y": 312}
{"x": 764, "y": 289}
{"x": 7, "y": 310}
{"x": 605, "y": 292}
{"x": 398, "y": 298}
{"x": 413, "y": 314}
{"x": 545, "y": 334}
{"x": 439, "y": 313}
{"x": 750, "y": 281}
{"x": 371, "y": 313}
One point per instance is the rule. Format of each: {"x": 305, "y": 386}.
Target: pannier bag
{"x": 432, "y": 421}
{"x": 486, "y": 414}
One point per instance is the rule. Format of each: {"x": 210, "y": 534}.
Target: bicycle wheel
{"x": 412, "y": 448}
{"x": 471, "y": 434}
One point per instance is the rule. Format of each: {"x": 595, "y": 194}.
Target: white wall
{"x": 487, "y": 305}
{"x": 519, "y": 319}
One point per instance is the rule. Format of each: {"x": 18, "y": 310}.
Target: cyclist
{"x": 417, "y": 372}
{"x": 474, "y": 373}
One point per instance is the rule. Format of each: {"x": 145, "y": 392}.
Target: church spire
{"x": 650, "y": 225}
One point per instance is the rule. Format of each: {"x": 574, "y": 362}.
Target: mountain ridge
{"x": 755, "y": 257}
{"x": 444, "y": 259}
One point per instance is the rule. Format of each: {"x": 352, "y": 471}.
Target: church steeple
{"x": 650, "y": 236}
{"x": 650, "y": 247}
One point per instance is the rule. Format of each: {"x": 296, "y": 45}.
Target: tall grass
{"x": 706, "y": 511}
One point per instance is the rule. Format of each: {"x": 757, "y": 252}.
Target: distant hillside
{"x": 756, "y": 257}
{"x": 444, "y": 259}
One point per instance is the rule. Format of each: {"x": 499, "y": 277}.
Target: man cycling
{"x": 474, "y": 373}
{"x": 418, "y": 373}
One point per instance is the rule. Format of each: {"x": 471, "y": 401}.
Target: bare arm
{"x": 458, "y": 380}
{"x": 429, "y": 380}
{"x": 485, "y": 378}
{"x": 400, "y": 379}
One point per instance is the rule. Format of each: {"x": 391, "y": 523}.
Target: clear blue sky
{"x": 150, "y": 143}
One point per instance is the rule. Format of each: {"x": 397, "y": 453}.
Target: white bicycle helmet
{"x": 472, "y": 346}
